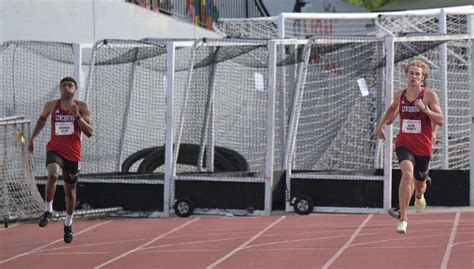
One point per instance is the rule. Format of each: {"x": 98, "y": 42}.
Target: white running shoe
{"x": 420, "y": 204}
{"x": 402, "y": 227}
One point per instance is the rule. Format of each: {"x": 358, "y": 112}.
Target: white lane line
{"x": 245, "y": 244}
{"x": 346, "y": 245}
{"x": 194, "y": 242}
{"x": 146, "y": 244}
{"x": 52, "y": 243}
{"x": 449, "y": 247}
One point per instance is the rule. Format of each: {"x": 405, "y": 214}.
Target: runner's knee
{"x": 69, "y": 189}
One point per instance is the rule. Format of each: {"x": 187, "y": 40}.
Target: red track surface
{"x": 434, "y": 240}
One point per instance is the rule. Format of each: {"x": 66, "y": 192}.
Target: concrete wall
{"x": 86, "y": 21}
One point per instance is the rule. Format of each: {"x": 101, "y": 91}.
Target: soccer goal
{"x": 341, "y": 92}
{"x": 19, "y": 196}
{"x": 217, "y": 100}
{"x": 125, "y": 88}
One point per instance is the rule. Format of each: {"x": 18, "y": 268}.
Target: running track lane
{"x": 337, "y": 241}
{"x": 299, "y": 242}
{"x": 198, "y": 245}
{"x": 94, "y": 242}
{"x": 427, "y": 244}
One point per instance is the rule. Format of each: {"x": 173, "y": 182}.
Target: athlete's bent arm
{"x": 40, "y": 123}
{"x": 84, "y": 119}
{"x": 390, "y": 115}
{"x": 434, "y": 109}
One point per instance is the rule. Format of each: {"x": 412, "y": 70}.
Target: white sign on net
{"x": 259, "y": 85}
{"x": 363, "y": 86}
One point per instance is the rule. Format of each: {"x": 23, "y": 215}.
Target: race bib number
{"x": 64, "y": 128}
{"x": 411, "y": 126}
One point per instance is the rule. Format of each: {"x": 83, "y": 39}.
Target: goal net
{"x": 126, "y": 92}
{"x": 19, "y": 196}
{"x": 220, "y": 101}
{"x": 336, "y": 106}
{"x": 224, "y": 98}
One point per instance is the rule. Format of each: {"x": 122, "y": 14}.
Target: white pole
{"x": 207, "y": 131}
{"x": 281, "y": 26}
{"x": 471, "y": 139}
{"x": 270, "y": 126}
{"x": 444, "y": 88}
{"x": 289, "y": 151}
{"x": 470, "y": 26}
{"x": 284, "y": 88}
{"x": 77, "y": 73}
{"x": 170, "y": 63}
{"x": 387, "y": 185}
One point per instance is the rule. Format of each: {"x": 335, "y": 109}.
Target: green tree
{"x": 369, "y": 4}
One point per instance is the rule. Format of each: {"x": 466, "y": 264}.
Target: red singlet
{"x": 415, "y": 127}
{"x": 65, "y": 134}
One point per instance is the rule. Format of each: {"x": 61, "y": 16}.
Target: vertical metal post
{"x": 270, "y": 125}
{"x": 470, "y": 26}
{"x": 77, "y": 73}
{"x": 289, "y": 151}
{"x": 281, "y": 26}
{"x": 170, "y": 65}
{"x": 379, "y": 146}
{"x": 207, "y": 131}
{"x": 444, "y": 89}
{"x": 387, "y": 185}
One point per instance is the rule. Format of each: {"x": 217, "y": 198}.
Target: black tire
{"x": 238, "y": 161}
{"x": 183, "y": 208}
{"x": 135, "y": 157}
{"x": 303, "y": 205}
{"x": 225, "y": 160}
{"x": 152, "y": 161}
